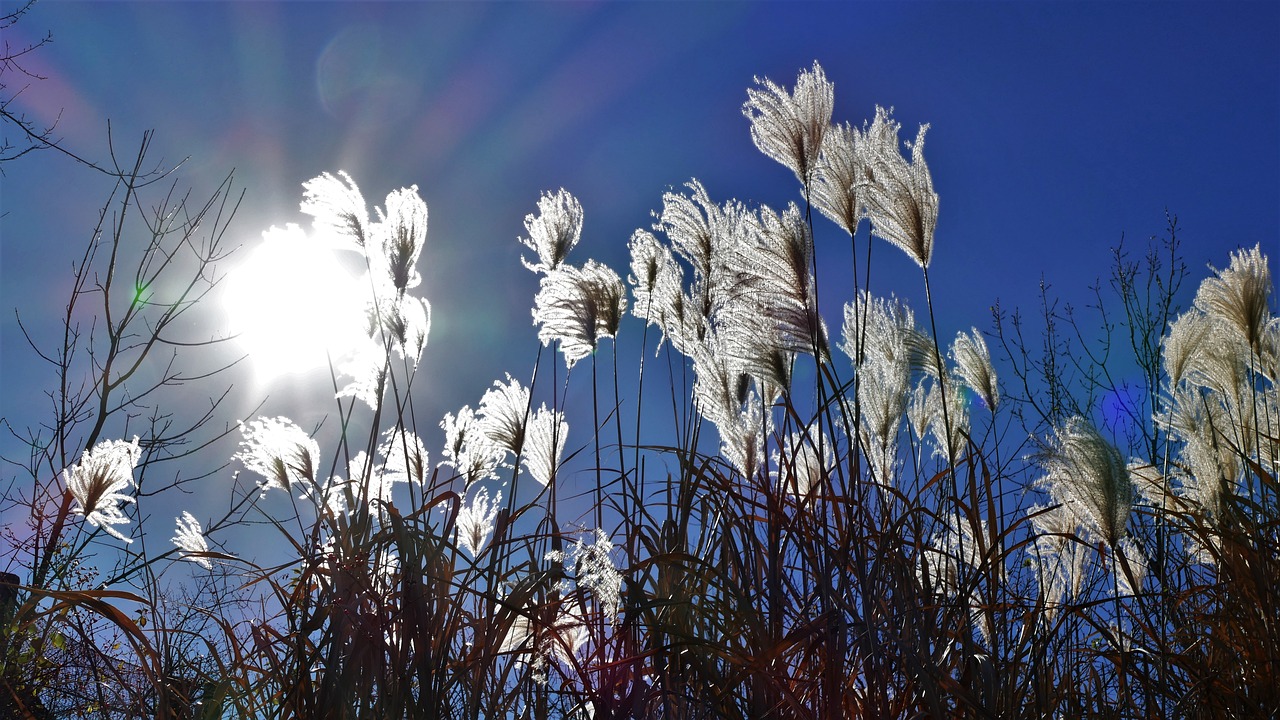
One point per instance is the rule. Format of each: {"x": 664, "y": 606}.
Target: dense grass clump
{"x": 916, "y": 529}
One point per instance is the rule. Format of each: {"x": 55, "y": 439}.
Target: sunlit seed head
{"x": 901, "y": 203}
{"x": 1239, "y": 295}
{"x": 190, "y": 540}
{"x": 338, "y": 208}
{"x": 100, "y": 481}
{"x": 475, "y": 522}
{"x": 577, "y": 306}
{"x": 504, "y": 414}
{"x": 405, "y": 457}
{"x": 281, "y": 452}
{"x": 545, "y": 442}
{"x": 973, "y": 365}
{"x": 403, "y": 233}
{"x": 1087, "y": 473}
{"x": 554, "y": 231}
{"x": 835, "y": 187}
{"x": 789, "y": 126}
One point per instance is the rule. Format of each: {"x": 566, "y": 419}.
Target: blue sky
{"x": 1056, "y": 129}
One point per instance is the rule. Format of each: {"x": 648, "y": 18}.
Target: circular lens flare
{"x": 292, "y": 304}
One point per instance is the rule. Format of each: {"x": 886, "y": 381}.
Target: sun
{"x": 292, "y": 305}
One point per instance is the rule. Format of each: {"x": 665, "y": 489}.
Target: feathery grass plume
{"x": 190, "y": 540}
{"x": 475, "y": 521}
{"x": 883, "y": 391}
{"x": 789, "y": 127}
{"x": 891, "y": 332}
{"x": 406, "y": 457}
{"x": 1059, "y": 558}
{"x": 900, "y": 200}
{"x": 918, "y": 415}
{"x": 593, "y": 567}
{"x": 1182, "y": 344}
{"x": 771, "y": 268}
{"x": 467, "y": 449}
{"x": 366, "y": 366}
{"x": 553, "y": 231}
{"x": 1086, "y": 473}
{"x": 946, "y": 446}
{"x": 533, "y": 643}
{"x": 756, "y": 349}
{"x": 370, "y": 483}
{"x": 839, "y": 172}
{"x": 973, "y": 365}
{"x": 726, "y": 398}
{"x": 657, "y": 281}
{"x": 281, "y": 453}
{"x": 1270, "y": 366}
{"x": 1197, "y": 419}
{"x": 703, "y": 233}
{"x": 403, "y": 232}
{"x": 98, "y": 483}
{"x": 1238, "y": 295}
{"x": 799, "y": 467}
{"x": 504, "y": 415}
{"x": 578, "y": 306}
{"x": 1154, "y": 488}
{"x": 545, "y": 444}
{"x": 891, "y": 354}
{"x": 407, "y": 322}
{"x": 338, "y": 208}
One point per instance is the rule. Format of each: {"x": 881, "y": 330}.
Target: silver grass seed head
{"x": 1060, "y": 560}
{"x": 554, "y": 231}
{"x": 593, "y": 567}
{"x": 405, "y": 456}
{"x": 727, "y": 399}
{"x": 338, "y": 208}
{"x": 475, "y": 522}
{"x": 1153, "y": 487}
{"x": 366, "y": 366}
{"x": 504, "y": 414}
{"x": 950, "y": 426}
{"x": 1183, "y": 342}
{"x": 281, "y": 452}
{"x": 973, "y": 365}
{"x": 901, "y": 203}
{"x": 1086, "y": 472}
{"x": 1239, "y": 295}
{"x": 884, "y": 388}
{"x": 657, "y": 282}
{"x": 190, "y": 540}
{"x": 690, "y": 222}
{"x": 799, "y": 466}
{"x": 467, "y": 449}
{"x": 773, "y": 271}
{"x": 545, "y": 444}
{"x": 789, "y": 126}
{"x": 834, "y": 190}
{"x": 403, "y": 231}
{"x": 407, "y": 324}
{"x": 577, "y": 307}
{"x": 1130, "y": 567}
{"x": 101, "y": 481}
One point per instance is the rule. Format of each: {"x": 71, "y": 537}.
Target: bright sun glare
{"x": 292, "y": 304}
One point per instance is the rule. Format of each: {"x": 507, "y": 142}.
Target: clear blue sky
{"x": 1056, "y": 128}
